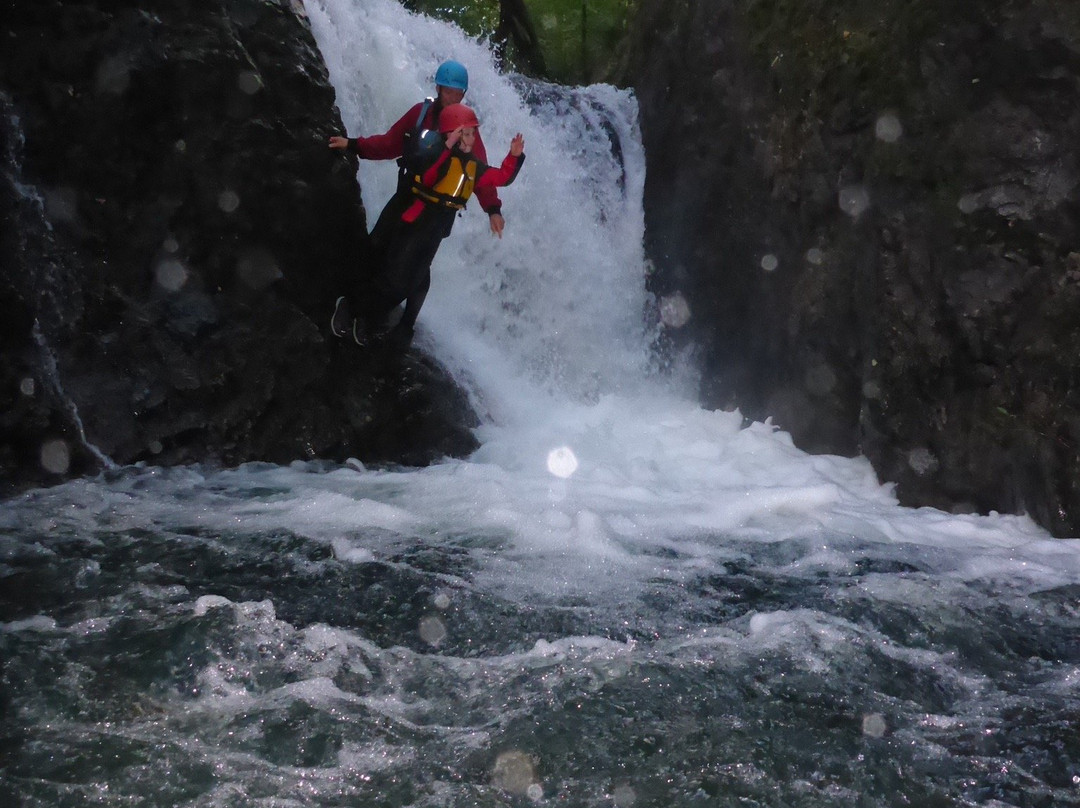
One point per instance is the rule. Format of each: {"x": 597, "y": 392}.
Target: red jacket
{"x": 487, "y": 177}
{"x": 391, "y": 144}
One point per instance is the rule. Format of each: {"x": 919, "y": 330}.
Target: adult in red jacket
{"x": 451, "y": 83}
{"x": 389, "y": 253}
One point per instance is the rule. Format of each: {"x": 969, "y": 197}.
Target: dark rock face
{"x": 174, "y": 232}
{"x": 872, "y": 209}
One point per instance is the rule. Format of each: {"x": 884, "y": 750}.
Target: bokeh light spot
{"x": 228, "y": 200}
{"x": 674, "y": 310}
{"x": 514, "y": 772}
{"x": 249, "y": 82}
{"x": 769, "y": 262}
{"x": 55, "y": 456}
{"x": 562, "y": 462}
{"x": 27, "y": 386}
{"x": 873, "y": 725}
{"x": 854, "y": 200}
{"x": 431, "y": 630}
{"x": 171, "y": 275}
{"x": 888, "y": 128}
{"x": 257, "y": 268}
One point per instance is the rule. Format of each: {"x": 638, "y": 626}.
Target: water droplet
{"x": 514, "y": 772}
{"x": 769, "y": 262}
{"x": 674, "y": 310}
{"x": 873, "y": 725}
{"x": 432, "y": 631}
{"x": 562, "y": 462}
{"x": 171, "y": 275}
{"x": 249, "y": 82}
{"x": 888, "y": 128}
{"x": 442, "y": 601}
{"x": 969, "y": 203}
{"x": 228, "y": 200}
{"x": 854, "y": 200}
{"x": 258, "y": 268}
{"x": 113, "y": 76}
{"x": 55, "y": 456}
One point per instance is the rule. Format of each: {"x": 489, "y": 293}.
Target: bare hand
{"x": 497, "y": 223}
{"x": 453, "y": 137}
{"x": 517, "y": 145}
{"x": 339, "y": 143}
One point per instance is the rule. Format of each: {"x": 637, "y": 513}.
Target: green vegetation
{"x": 568, "y": 41}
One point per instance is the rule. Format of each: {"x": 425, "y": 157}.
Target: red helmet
{"x": 456, "y": 115}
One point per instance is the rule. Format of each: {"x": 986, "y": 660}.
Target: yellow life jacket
{"x": 457, "y": 178}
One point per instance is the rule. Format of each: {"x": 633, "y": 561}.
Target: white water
{"x": 622, "y": 597}
{"x": 545, "y": 327}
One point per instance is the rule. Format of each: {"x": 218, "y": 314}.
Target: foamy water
{"x": 620, "y": 599}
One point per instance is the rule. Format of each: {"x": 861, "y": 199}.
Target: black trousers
{"x": 401, "y": 258}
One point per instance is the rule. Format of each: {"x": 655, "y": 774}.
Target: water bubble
{"x": 432, "y": 631}
{"x": 769, "y": 262}
{"x": 228, "y": 200}
{"x": 624, "y": 796}
{"x": 113, "y": 76}
{"x": 442, "y": 601}
{"x": 258, "y": 268}
{"x": 55, "y": 456}
{"x": 674, "y": 310}
{"x": 922, "y": 461}
{"x": 249, "y": 82}
{"x": 535, "y": 792}
{"x": 820, "y": 380}
{"x": 171, "y": 275}
{"x": 888, "y": 128}
{"x": 969, "y": 203}
{"x": 815, "y": 256}
{"x": 27, "y": 386}
{"x": 62, "y": 204}
{"x": 873, "y": 725}
{"x": 562, "y": 462}
{"x": 514, "y": 772}
{"x": 854, "y": 200}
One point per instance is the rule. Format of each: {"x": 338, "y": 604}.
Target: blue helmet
{"x": 452, "y": 74}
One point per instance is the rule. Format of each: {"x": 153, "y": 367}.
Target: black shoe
{"x": 339, "y": 321}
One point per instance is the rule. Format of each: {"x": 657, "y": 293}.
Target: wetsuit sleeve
{"x": 503, "y": 175}
{"x": 487, "y": 196}
{"x": 390, "y": 144}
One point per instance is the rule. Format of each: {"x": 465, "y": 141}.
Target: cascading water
{"x": 621, "y": 599}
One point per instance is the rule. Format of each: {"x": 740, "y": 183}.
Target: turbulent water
{"x": 620, "y": 600}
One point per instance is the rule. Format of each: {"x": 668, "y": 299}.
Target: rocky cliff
{"x": 871, "y": 210}
{"x": 174, "y": 231}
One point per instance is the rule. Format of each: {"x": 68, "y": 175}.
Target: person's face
{"x": 448, "y": 95}
{"x": 468, "y": 138}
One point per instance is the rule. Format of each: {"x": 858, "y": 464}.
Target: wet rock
{"x": 173, "y": 236}
{"x": 925, "y": 157}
